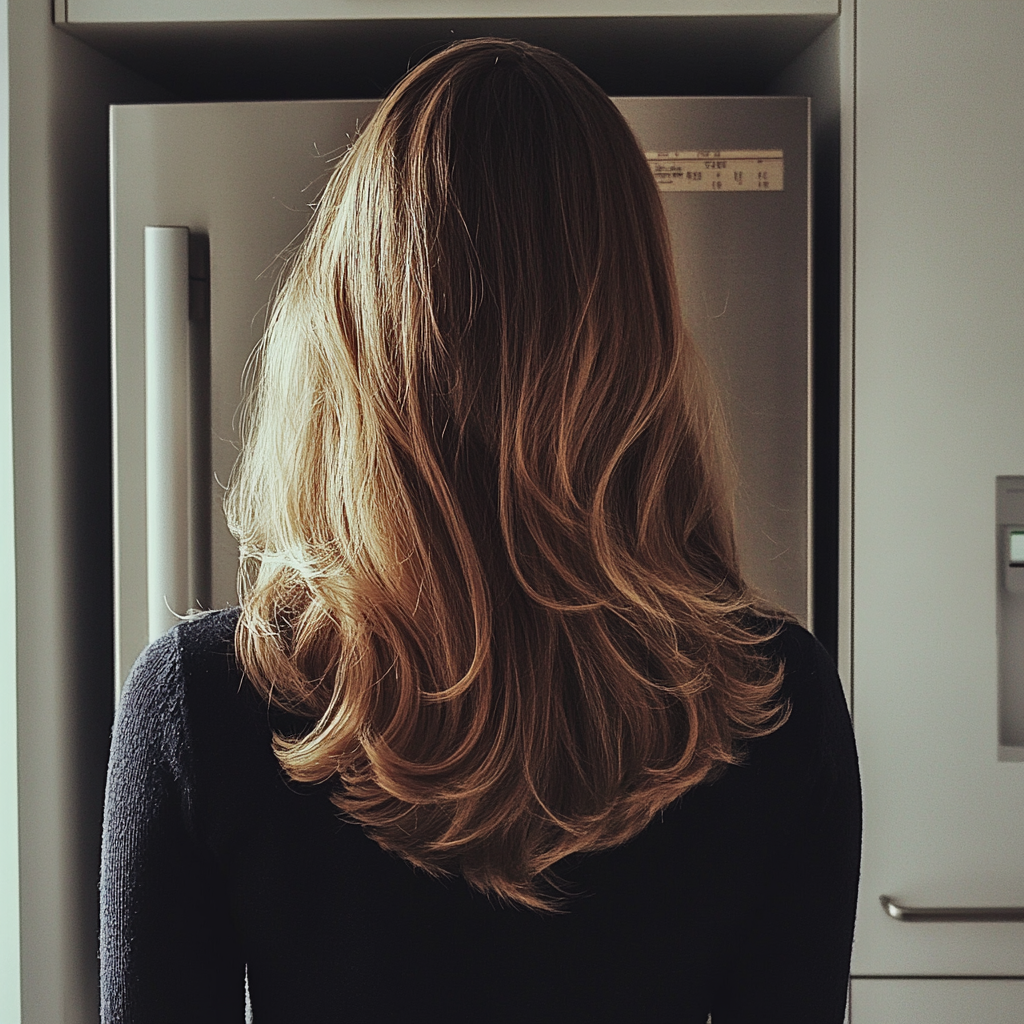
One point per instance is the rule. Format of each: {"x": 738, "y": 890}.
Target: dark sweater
{"x": 737, "y": 901}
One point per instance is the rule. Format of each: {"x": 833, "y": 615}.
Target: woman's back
{"x": 737, "y": 901}
{"x": 492, "y": 612}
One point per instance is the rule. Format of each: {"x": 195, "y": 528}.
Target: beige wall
{"x": 10, "y": 976}
{"x": 59, "y": 90}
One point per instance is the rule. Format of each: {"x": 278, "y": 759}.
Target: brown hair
{"x": 484, "y": 511}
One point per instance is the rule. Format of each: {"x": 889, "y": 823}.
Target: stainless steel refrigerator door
{"x": 244, "y": 174}
{"x": 743, "y": 269}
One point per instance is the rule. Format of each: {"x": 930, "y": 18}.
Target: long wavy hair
{"x": 483, "y": 502}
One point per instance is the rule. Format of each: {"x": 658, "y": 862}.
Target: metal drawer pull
{"x": 902, "y": 913}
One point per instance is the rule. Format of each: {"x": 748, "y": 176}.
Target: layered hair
{"x": 483, "y": 503}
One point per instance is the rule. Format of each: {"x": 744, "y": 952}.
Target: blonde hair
{"x": 484, "y": 511}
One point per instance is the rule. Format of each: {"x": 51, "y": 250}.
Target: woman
{"x": 499, "y": 733}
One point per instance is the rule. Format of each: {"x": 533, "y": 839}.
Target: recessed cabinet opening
{"x": 793, "y": 52}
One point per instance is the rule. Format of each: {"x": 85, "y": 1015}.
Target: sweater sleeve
{"x": 793, "y": 963}
{"x": 168, "y": 949}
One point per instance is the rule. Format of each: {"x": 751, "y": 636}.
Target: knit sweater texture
{"x": 737, "y": 901}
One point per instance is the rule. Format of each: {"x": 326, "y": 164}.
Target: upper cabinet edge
{"x": 138, "y": 12}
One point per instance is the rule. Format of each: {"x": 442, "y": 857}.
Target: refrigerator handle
{"x": 904, "y": 913}
{"x": 167, "y": 428}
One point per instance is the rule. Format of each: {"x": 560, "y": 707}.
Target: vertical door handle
{"x": 903, "y": 913}
{"x": 167, "y": 450}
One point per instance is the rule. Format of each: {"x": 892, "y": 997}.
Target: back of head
{"x": 483, "y": 507}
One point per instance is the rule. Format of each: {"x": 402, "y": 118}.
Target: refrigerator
{"x": 207, "y": 201}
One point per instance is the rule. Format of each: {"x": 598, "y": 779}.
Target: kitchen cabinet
{"x": 938, "y": 416}
{"x": 936, "y": 1000}
{"x": 917, "y": 264}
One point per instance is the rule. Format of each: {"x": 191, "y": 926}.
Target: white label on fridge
{"x": 718, "y": 170}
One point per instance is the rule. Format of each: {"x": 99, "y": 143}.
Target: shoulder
{"x": 817, "y": 741}
{"x": 218, "y": 703}
{"x": 204, "y": 643}
{"x": 206, "y": 646}
{"x": 162, "y": 682}
{"x": 206, "y": 640}
{"x": 811, "y": 679}
{"x": 188, "y": 694}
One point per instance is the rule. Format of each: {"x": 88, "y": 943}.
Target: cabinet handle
{"x": 902, "y": 913}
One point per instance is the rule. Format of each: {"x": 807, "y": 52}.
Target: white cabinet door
{"x": 936, "y": 1001}
{"x": 939, "y": 413}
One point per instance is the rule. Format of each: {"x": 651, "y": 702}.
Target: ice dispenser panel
{"x": 1010, "y": 614}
